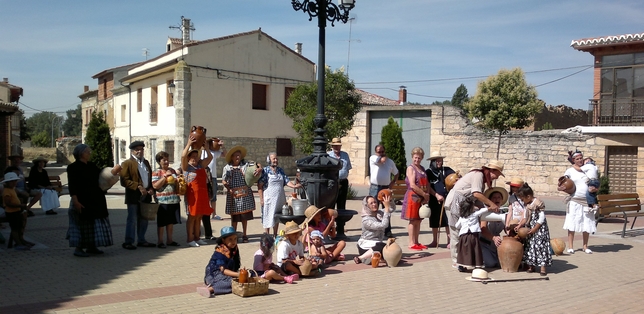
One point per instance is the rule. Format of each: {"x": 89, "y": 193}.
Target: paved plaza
{"x": 49, "y": 279}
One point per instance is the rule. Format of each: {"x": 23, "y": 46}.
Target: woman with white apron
{"x": 271, "y": 192}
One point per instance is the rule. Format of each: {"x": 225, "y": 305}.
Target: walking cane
{"x": 440, "y": 222}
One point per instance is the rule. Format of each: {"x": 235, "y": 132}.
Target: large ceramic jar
{"x": 392, "y": 253}
{"x": 199, "y": 133}
{"x": 510, "y": 254}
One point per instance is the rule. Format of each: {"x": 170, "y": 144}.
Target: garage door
{"x": 622, "y": 168}
{"x": 416, "y": 127}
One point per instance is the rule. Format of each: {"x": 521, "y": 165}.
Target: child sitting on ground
{"x": 537, "y": 248}
{"x": 16, "y": 213}
{"x": 592, "y": 172}
{"x": 223, "y": 265}
{"x": 290, "y": 253}
{"x": 315, "y": 221}
{"x": 468, "y": 247}
{"x": 263, "y": 262}
{"x": 317, "y": 250}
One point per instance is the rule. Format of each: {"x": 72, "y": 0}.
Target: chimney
{"x": 402, "y": 95}
{"x": 298, "y": 48}
{"x": 85, "y": 89}
{"x": 5, "y": 80}
{"x": 185, "y": 27}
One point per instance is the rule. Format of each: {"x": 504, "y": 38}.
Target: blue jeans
{"x": 134, "y": 221}
{"x": 591, "y": 198}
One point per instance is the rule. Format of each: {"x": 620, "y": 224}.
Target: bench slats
{"x": 633, "y": 202}
{"x": 620, "y": 205}
{"x": 607, "y": 197}
{"x": 399, "y": 190}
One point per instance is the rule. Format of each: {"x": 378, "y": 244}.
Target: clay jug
{"x": 567, "y": 185}
{"x": 510, "y": 254}
{"x": 558, "y": 246}
{"x": 199, "y": 134}
{"x": 213, "y": 143}
{"x": 383, "y": 193}
{"x": 249, "y": 176}
{"x": 392, "y": 253}
{"x": 375, "y": 259}
{"x": 243, "y": 275}
{"x": 451, "y": 179}
{"x": 109, "y": 177}
{"x": 523, "y": 232}
{"x": 424, "y": 211}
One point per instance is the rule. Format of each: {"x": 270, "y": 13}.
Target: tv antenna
{"x": 186, "y": 28}
{"x": 352, "y": 19}
{"x": 146, "y": 52}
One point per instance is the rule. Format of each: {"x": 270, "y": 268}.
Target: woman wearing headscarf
{"x": 39, "y": 180}
{"x": 240, "y": 202}
{"x": 579, "y": 217}
{"x": 374, "y": 223}
{"x": 436, "y": 175}
{"x": 271, "y": 192}
{"x": 89, "y": 225}
{"x": 471, "y": 184}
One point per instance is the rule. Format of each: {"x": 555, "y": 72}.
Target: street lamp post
{"x": 319, "y": 172}
{"x": 52, "y": 128}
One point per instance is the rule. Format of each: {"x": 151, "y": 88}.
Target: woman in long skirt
{"x": 271, "y": 192}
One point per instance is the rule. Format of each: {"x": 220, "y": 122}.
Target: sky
{"x": 53, "y": 48}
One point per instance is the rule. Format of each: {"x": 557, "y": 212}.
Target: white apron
{"x": 274, "y": 199}
{"x": 49, "y": 199}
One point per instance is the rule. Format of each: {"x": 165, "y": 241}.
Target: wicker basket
{"x": 149, "y": 210}
{"x": 255, "y": 286}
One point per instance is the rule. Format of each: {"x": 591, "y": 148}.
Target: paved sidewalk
{"x": 50, "y": 279}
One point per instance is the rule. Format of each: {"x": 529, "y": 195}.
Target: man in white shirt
{"x": 381, "y": 169}
{"x": 216, "y": 147}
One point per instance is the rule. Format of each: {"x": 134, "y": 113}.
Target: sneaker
{"x": 588, "y": 251}
{"x": 193, "y": 244}
{"x": 295, "y": 277}
{"x": 205, "y": 292}
{"x": 216, "y": 218}
{"x": 570, "y": 251}
{"x": 288, "y": 279}
{"x": 202, "y": 242}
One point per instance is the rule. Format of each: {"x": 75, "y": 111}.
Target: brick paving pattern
{"x": 49, "y": 279}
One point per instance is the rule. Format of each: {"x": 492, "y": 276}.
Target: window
{"x": 169, "y": 97}
{"x": 259, "y": 96}
{"x": 154, "y": 112}
{"x": 123, "y": 112}
{"x": 168, "y": 147}
{"x": 621, "y": 76}
{"x": 287, "y": 93}
{"x": 122, "y": 149}
{"x": 284, "y": 147}
{"x": 139, "y": 100}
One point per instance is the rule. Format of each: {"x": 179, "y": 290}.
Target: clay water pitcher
{"x": 243, "y": 275}
{"x": 392, "y": 253}
{"x": 199, "y": 134}
{"x": 567, "y": 185}
{"x": 109, "y": 177}
{"x": 558, "y": 246}
{"x": 510, "y": 254}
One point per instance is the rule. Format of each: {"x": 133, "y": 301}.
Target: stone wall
{"x": 561, "y": 117}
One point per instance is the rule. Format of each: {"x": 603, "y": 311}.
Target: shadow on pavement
{"x": 613, "y": 247}
{"x": 560, "y": 266}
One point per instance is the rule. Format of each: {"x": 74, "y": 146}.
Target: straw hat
{"x": 479, "y": 275}
{"x": 291, "y": 227}
{"x": 503, "y": 191}
{"x": 336, "y": 141}
{"x": 229, "y": 155}
{"x": 39, "y": 159}
{"x": 435, "y": 155}
{"x": 310, "y": 212}
{"x": 496, "y": 165}
{"x": 10, "y": 176}
{"x": 515, "y": 182}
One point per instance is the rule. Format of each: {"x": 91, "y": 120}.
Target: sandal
{"x": 128, "y": 246}
{"x": 244, "y": 239}
{"x": 530, "y": 269}
{"x": 161, "y": 246}
{"x": 173, "y": 244}
{"x": 543, "y": 273}
{"x": 357, "y": 260}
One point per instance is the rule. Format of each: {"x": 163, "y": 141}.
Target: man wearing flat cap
{"x": 337, "y": 153}
{"x": 136, "y": 177}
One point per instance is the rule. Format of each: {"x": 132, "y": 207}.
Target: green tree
{"x": 45, "y": 121}
{"x": 42, "y": 139}
{"x": 547, "y": 126}
{"x": 441, "y": 103}
{"x": 394, "y": 144}
{"x": 504, "y": 101}
{"x": 341, "y": 104}
{"x": 99, "y": 140}
{"x": 24, "y": 131}
{"x": 73, "y": 122}
{"x": 460, "y": 96}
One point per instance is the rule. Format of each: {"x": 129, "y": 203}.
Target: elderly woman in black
{"x": 89, "y": 226}
{"x": 436, "y": 174}
{"x": 39, "y": 181}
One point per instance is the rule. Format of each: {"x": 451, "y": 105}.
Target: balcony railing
{"x": 616, "y": 112}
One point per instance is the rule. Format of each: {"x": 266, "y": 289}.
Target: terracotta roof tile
{"x": 369, "y": 99}
{"x": 607, "y": 40}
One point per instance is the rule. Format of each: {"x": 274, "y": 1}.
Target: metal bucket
{"x": 299, "y": 207}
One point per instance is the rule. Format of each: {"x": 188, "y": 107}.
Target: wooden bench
{"x": 620, "y": 206}
{"x": 53, "y": 181}
{"x": 398, "y": 191}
